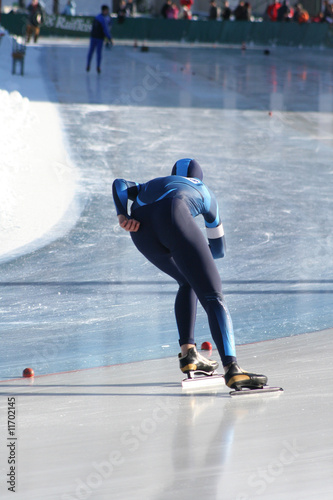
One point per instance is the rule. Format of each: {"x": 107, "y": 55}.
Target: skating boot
{"x": 194, "y": 362}
{"x": 236, "y": 378}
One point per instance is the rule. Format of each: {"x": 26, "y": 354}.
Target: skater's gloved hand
{"x": 131, "y": 225}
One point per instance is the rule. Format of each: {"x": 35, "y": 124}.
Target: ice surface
{"x": 130, "y": 432}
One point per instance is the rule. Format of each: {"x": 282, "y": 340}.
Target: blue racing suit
{"x": 170, "y": 238}
{"x": 198, "y": 198}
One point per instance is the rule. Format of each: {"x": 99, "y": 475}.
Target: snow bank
{"x": 37, "y": 180}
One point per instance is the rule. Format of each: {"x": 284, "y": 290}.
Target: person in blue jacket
{"x": 100, "y": 30}
{"x": 162, "y": 226}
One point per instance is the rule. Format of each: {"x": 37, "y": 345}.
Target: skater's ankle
{"x": 226, "y": 367}
{"x": 185, "y": 348}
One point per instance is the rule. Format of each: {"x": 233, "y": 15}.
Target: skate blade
{"x": 247, "y": 391}
{"x": 198, "y": 381}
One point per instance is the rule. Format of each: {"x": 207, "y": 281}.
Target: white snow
{"x": 37, "y": 180}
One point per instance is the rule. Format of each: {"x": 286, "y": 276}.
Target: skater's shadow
{"x": 124, "y": 389}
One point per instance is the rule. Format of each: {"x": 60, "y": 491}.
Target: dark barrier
{"x": 228, "y": 32}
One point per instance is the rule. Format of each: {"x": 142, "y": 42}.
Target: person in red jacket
{"x": 187, "y": 3}
{"x": 186, "y": 9}
{"x": 272, "y": 10}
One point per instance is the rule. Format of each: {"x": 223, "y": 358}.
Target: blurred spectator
{"x": 301, "y": 15}
{"x": 185, "y": 13}
{"x": 70, "y": 8}
{"x": 130, "y": 8}
{"x": 318, "y": 18}
{"x": 285, "y": 13}
{"x": 272, "y": 10}
{"x": 241, "y": 12}
{"x": 186, "y": 6}
{"x": 226, "y": 12}
{"x": 327, "y": 14}
{"x": 165, "y": 8}
{"x": 248, "y": 10}
{"x": 122, "y": 12}
{"x": 212, "y": 11}
{"x": 187, "y": 3}
{"x": 173, "y": 11}
{"x": 35, "y": 20}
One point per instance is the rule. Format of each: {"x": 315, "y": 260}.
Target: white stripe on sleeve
{"x": 215, "y": 232}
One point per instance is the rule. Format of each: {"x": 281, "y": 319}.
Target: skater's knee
{"x": 214, "y": 297}
{"x": 214, "y": 301}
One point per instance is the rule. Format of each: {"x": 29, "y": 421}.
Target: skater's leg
{"x": 185, "y": 312}
{"x": 29, "y": 32}
{"x": 192, "y": 256}
{"x": 99, "y": 47}
{"x": 91, "y": 51}
{"x": 149, "y": 245}
{"x": 36, "y": 33}
{"x": 220, "y": 321}
{"x": 186, "y": 301}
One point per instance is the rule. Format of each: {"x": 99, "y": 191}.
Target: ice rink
{"x": 105, "y": 416}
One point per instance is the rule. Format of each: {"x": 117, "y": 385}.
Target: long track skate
{"x": 247, "y": 391}
{"x": 200, "y": 379}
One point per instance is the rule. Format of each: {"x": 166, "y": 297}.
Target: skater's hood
{"x": 187, "y": 168}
